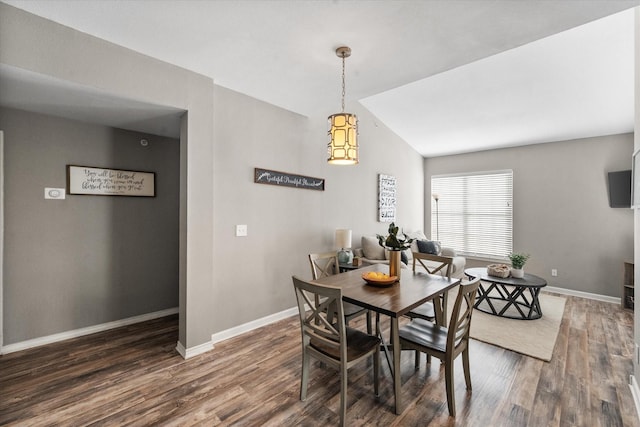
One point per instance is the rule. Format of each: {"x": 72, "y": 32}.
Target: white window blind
{"x": 474, "y": 213}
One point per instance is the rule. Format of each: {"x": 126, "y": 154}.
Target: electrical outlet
{"x": 241, "y": 230}
{"x": 554, "y": 272}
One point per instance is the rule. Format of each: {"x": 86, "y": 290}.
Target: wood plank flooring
{"x": 133, "y": 376}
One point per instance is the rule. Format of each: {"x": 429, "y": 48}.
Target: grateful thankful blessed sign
{"x": 283, "y": 179}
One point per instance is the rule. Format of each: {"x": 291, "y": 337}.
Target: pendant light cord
{"x": 343, "y": 90}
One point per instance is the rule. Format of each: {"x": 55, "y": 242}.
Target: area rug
{"x": 535, "y": 338}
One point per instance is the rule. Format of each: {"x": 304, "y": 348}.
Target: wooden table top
{"x": 413, "y": 290}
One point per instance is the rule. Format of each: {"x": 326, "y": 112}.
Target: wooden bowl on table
{"x": 377, "y": 278}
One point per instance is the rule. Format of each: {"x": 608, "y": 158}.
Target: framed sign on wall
{"x": 284, "y": 179}
{"x": 88, "y": 180}
{"x": 386, "y": 198}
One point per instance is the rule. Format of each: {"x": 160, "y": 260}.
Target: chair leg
{"x": 304, "y": 381}
{"x": 331, "y": 312}
{"x": 343, "y": 395}
{"x": 448, "y": 377}
{"x": 416, "y": 364}
{"x": 465, "y": 367}
{"x": 376, "y": 372}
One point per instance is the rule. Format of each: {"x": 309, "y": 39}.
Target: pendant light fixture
{"x": 343, "y": 128}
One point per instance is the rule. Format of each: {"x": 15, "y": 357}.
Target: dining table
{"x": 395, "y": 300}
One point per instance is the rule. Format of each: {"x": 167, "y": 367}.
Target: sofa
{"x": 372, "y": 253}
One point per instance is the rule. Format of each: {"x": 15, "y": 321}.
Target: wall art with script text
{"x": 386, "y": 198}
{"x": 283, "y": 179}
{"x": 109, "y": 182}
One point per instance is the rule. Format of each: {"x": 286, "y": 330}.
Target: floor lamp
{"x": 436, "y": 197}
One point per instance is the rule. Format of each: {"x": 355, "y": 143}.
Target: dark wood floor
{"x": 133, "y": 376}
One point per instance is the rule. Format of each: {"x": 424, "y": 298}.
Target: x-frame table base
{"x": 508, "y": 297}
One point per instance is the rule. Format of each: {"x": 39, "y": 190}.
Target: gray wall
{"x": 561, "y": 212}
{"x": 253, "y": 274}
{"x": 37, "y": 45}
{"x": 85, "y": 260}
{"x": 227, "y": 281}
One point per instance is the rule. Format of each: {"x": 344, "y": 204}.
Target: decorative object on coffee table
{"x": 498, "y": 270}
{"x": 518, "y": 261}
{"x": 395, "y": 246}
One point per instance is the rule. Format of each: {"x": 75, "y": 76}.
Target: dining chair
{"x": 445, "y": 343}
{"x": 433, "y": 310}
{"x": 326, "y": 264}
{"x": 332, "y": 343}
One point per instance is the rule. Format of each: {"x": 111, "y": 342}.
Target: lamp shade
{"x": 343, "y": 139}
{"x": 343, "y": 238}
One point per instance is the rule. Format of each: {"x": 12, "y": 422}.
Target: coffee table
{"x": 508, "y": 297}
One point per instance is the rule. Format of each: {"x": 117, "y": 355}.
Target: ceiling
{"x": 446, "y": 76}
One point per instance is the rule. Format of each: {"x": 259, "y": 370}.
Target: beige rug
{"x": 535, "y": 338}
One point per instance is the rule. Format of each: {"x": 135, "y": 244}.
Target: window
{"x": 474, "y": 212}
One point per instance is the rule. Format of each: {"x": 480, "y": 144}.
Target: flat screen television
{"x": 620, "y": 189}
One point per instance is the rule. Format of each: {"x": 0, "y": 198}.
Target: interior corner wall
{"x": 41, "y": 46}
{"x": 84, "y": 260}
{"x": 253, "y": 278}
{"x": 636, "y": 211}
{"x": 561, "y": 213}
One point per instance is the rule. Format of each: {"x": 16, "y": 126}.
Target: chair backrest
{"x": 443, "y": 264}
{"x": 325, "y": 334}
{"x": 323, "y": 265}
{"x": 460, "y": 322}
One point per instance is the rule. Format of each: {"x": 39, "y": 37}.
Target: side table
{"x": 348, "y": 267}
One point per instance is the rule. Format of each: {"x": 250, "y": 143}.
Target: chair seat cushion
{"x": 351, "y": 309}
{"x": 358, "y": 344}
{"x": 425, "y": 334}
{"x": 425, "y": 311}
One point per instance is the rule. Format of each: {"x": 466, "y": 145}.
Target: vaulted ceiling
{"x": 446, "y": 76}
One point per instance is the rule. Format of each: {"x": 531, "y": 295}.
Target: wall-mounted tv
{"x": 620, "y": 189}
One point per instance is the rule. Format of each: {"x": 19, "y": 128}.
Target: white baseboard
{"x": 187, "y": 353}
{"x": 635, "y": 392}
{"x": 254, "y": 324}
{"x": 49, "y": 339}
{"x": 588, "y": 295}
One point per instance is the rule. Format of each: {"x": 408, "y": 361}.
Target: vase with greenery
{"x": 518, "y": 261}
{"x": 395, "y": 244}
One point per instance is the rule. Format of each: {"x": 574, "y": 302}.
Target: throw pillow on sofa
{"x": 416, "y": 235}
{"x": 429, "y": 247}
{"x": 371, "y": 248}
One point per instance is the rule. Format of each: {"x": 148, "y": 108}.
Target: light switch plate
{"x": 54, "y": 193}
{"x": 241, "y": 230}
